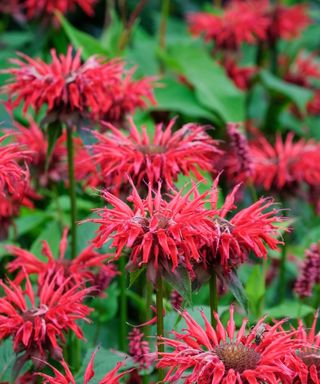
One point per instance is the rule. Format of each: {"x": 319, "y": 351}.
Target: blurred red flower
{"x": 66, "y": 378}
{"x": 139, "y": 349}
{"x": 37, "y": 324}
{"x": 241, "y": 22}
{"x": 161, "y": 234}
{"x": 205, "y": 355}
{"x": 149, "y": 160}
{"x": 286, "y": 164}
{"x": 241, "y": 76}
{"x": 80, "y": 270}
{"x": 251, "y": 229}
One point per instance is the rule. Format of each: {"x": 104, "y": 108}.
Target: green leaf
{"x": 255, "y": 288}
{"x": 232, "y": 280}
{"x": 213, "y": 88}
{"x": 105, "y": 360}
{"x": 174, "y": 96}
{"x": 52, "y": 235}
{"x": 133, "y": 276}
{"x": 54, "y": 131}
{"x": 25, "y": 224}
{"x": 292, "y": 309}
{"x": 298, "y": 95}
{"x": 105, "y": 308}
{"x": 81, "y": 40}
{"x": 180, "y": 280}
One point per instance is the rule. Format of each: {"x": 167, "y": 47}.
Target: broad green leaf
{"x": 255, "y": 288}
{"x": 105, "y": 308}
{"x": 64, "y": 204}
{"x": 27, "y": 223}
{"x": 52, "y": 235}
{"x": 234, "y": 284}
{"x": 81, "y": 40}
{"x": 174, "y": 96}
{"x": 298, "y": 95}
{"x": 180, "y": 280}
{"x": 213, "y": 88}
{"x": 292, "y": 309}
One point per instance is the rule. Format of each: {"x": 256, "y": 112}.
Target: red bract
{"x": 37, "y": 325}
{"x": 139, "y": 349}
{"x": 286, "y": 164}
{"x": 288, "y": 22}
{"x": 33, "y": 138}
{"x": 148, "y": 160}
{"x": 65, "y": 85}
{"x": 67, "y": 378}
{"x": 205, "y": 355}
{"x": 161, "y": 234}
{"x": 251, "y": 229}
{"x": 241, "y": 22}
{"x": 79, "y": 270}
{"x": 306, "y": 362}
{"x": 241, "y": 76}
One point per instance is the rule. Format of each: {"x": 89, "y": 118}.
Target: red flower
{"x": 288, "y": 22}
{"x": 303, "y": 70}
{"x": 65, "y": 86}
{"x": 161, "y": 234}
{"x": 33, "y": 138}
{"x": 79, "y": 270}
{"x": 205, "y": 355}
{"x": 310, "y": 272}
{"x": 111, "y": 378}
{"x": 241, "y": 22}
{"x": 286, "y": 164}
{"x": 139, "y": 349}
{"x": 313, "y": 106}
{"x": 37, "y": 325}
{"x": 146, "y": 159}
{"x": 42, "y": 8}
{"x": 249, "y": 230}
{"x": 241, "y": 76}
{"x": 306, "y": 362}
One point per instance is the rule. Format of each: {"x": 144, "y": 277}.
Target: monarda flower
{"x": 139, "y": 349}
{"x": 161, "y": 234}
{"x": 241, "y": 76}
{"x": 65, "y": 86}
{"x": 306, "y": 361}
{"x": 33, "y": 138}
{"x": 309, "y": 272}
{"x": 286, "y": 164}
{"x": 303, "y": 71}
{"x": 234, "y": 237}
{"x": 38, "y": 324}
{"x": 241, "y": 22}
{"x": 80, "y": 270}
{"x": 206, "y": 355}
{"x": 67, "y": 377}
{"x": 148, "y": 160}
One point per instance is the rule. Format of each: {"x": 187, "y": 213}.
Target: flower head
{"x": 241, "y": 22}
{"x": 149, "y": 160}
{"x": 160, "y": 233}
{"x": 77, "y": 271}
{"x": 38, "y": 324}
{"x": 286, "y": 164}
{"x": 241, "y": 76}
{"x": 251, "y": 229}
{"x": 111, "y": 377}
{"x": 206, "y": 355}
{"x": 139, "y": 349}
{"x": 310, "y": 272}
{"x": 65, "y": 85}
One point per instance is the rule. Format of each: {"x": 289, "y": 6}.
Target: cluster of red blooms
{"x": 40, "y": 9}
{"x": 97, "y": 89}
{"x": 249, "y": 22}
{"x": 310, "y": 272}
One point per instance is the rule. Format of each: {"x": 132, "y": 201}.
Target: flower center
{"x": 311, "y": 358}
{"x": 223, "y": 224}
{"x": 151, "y": 149}
{"x": 30, "y": 314}
{"x": 237, "y": 356}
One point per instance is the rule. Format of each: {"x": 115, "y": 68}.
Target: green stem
{"x": 148, "y": 300}
{"x": 213, "y": 297}
{"x": 123, "y": 331}
{"x": 163, "y": 23}
{"x": 282, "y": 275}
{"x": 160, "y": 326}
{"x": 72, "y": 193}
